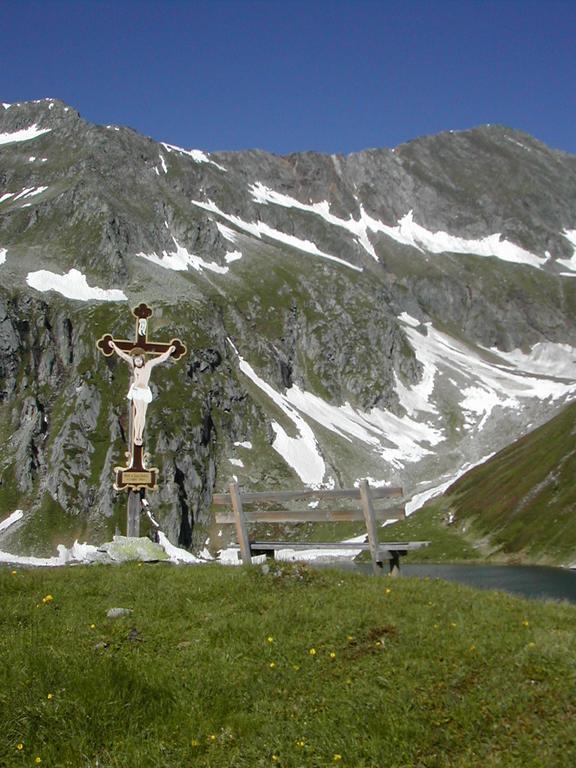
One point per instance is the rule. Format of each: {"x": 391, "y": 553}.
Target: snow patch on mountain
{"x": 419, "y": 499}
{"x": 398, "y": 440}
{"x": 482, "y": 381}
{"x": 518, "y": 143}
{"x": 180, "y": 259}
{"x": 25, "y": 193}
{"x": 406, "y": 232}
{"x": 72, "y": 285}
{"x": 570, "y": 235}
{"x": 485, "y": 381}
{"x": 233, "y": 256}
{"x": 409, "y": 232}
{"x": 227, "y": 233}
{"x": 417, "y": 397}
{"x": 30, "y": 192}
{"x": 259, "y": 229}
{"x": 3, "y": 254}
{"x": 478, "y": 404}
{"x": 11, "y": 520}
{"x": 196, "y": 154}
{"x": 545, "y": 358}
{"x": 358, "y": 228}
{"x": 300, "y": 452}
{"x": 25, "y": 134}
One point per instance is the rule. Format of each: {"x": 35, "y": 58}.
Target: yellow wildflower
{"x": 50, "y": 696}
{"x": 20, "y": 747}
{"x": 332, "y": 655}
{"x": 194, "y": 743}
{"x": 38, "y": 760}
{"x": 336, "y": 758}
{"x": 92, "y": 626}
{"x": 47, "y": 599}
{"x": 312, "y": 651}
{"x": 269, "y": 639}
{"x": 212, "y": 737}
{"x": 525, "y": 623}
{"x": 388, "y": 590}
{"x": 14, "y": 573}
{"x": 272, "y": 664}
{"x": 275, "y": 758}
{"x": 300, "y": 743}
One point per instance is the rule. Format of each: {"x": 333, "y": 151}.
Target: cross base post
{"x": 133, "y": 517}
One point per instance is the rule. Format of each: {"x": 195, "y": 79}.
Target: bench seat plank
{"x": 391, "y": 546}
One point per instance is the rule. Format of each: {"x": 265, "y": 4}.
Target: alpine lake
{"x": 532, "y": 581}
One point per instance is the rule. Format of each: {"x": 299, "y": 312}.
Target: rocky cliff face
{"x": 392, "y": 313}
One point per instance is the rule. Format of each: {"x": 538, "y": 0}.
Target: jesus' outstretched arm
{"x": 121, "y": 353}
{"x": 161, "y": 358}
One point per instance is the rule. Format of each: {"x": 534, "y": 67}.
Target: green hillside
{"x": 219, "y": 667}
{"x": 521, "y": 504}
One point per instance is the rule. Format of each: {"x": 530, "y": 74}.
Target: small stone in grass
{"x": 118, "y": 613}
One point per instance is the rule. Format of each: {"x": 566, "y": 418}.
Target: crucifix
{"x": 137, "y": 475}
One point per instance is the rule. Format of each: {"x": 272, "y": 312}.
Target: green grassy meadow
{"x": 521, "y": 503}
{"x": 294, "y": 667}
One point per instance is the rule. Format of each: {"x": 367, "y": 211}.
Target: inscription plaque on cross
{"x": 137, "y": 475}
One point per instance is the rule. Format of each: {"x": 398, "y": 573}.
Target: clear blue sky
{"x": 285, "y": 75}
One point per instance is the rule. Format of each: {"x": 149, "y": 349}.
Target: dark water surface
{"x": 535, "y": 581}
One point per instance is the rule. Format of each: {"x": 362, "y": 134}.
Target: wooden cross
{"x": 141, "y": 313}
{"x": 137, "y": 475}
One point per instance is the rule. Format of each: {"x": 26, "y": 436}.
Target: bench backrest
{"x": 237, "y": 513}
{"x": 308, "y": 514}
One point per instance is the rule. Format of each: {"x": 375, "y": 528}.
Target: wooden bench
{"x": 236, "y": 500}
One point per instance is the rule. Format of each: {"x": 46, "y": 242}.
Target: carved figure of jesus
{"x": 139, "y": 392}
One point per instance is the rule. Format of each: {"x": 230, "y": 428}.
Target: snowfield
{"x": 408, "y": 232}
{"x": 180, "y": 259}
{"x": 26, "y": 134}
{"x": 259, "y": 229}
{"x": 72, "y": 285}
{"x": 196, "y": 154}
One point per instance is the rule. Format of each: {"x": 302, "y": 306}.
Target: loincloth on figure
{"x": 143, "y": 394}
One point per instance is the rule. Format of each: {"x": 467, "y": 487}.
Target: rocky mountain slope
{"x": 395, "y": 313}
{"x": 521, "y": 503}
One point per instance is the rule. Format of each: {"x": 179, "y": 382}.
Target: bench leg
{"x": 394, "y": 564}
